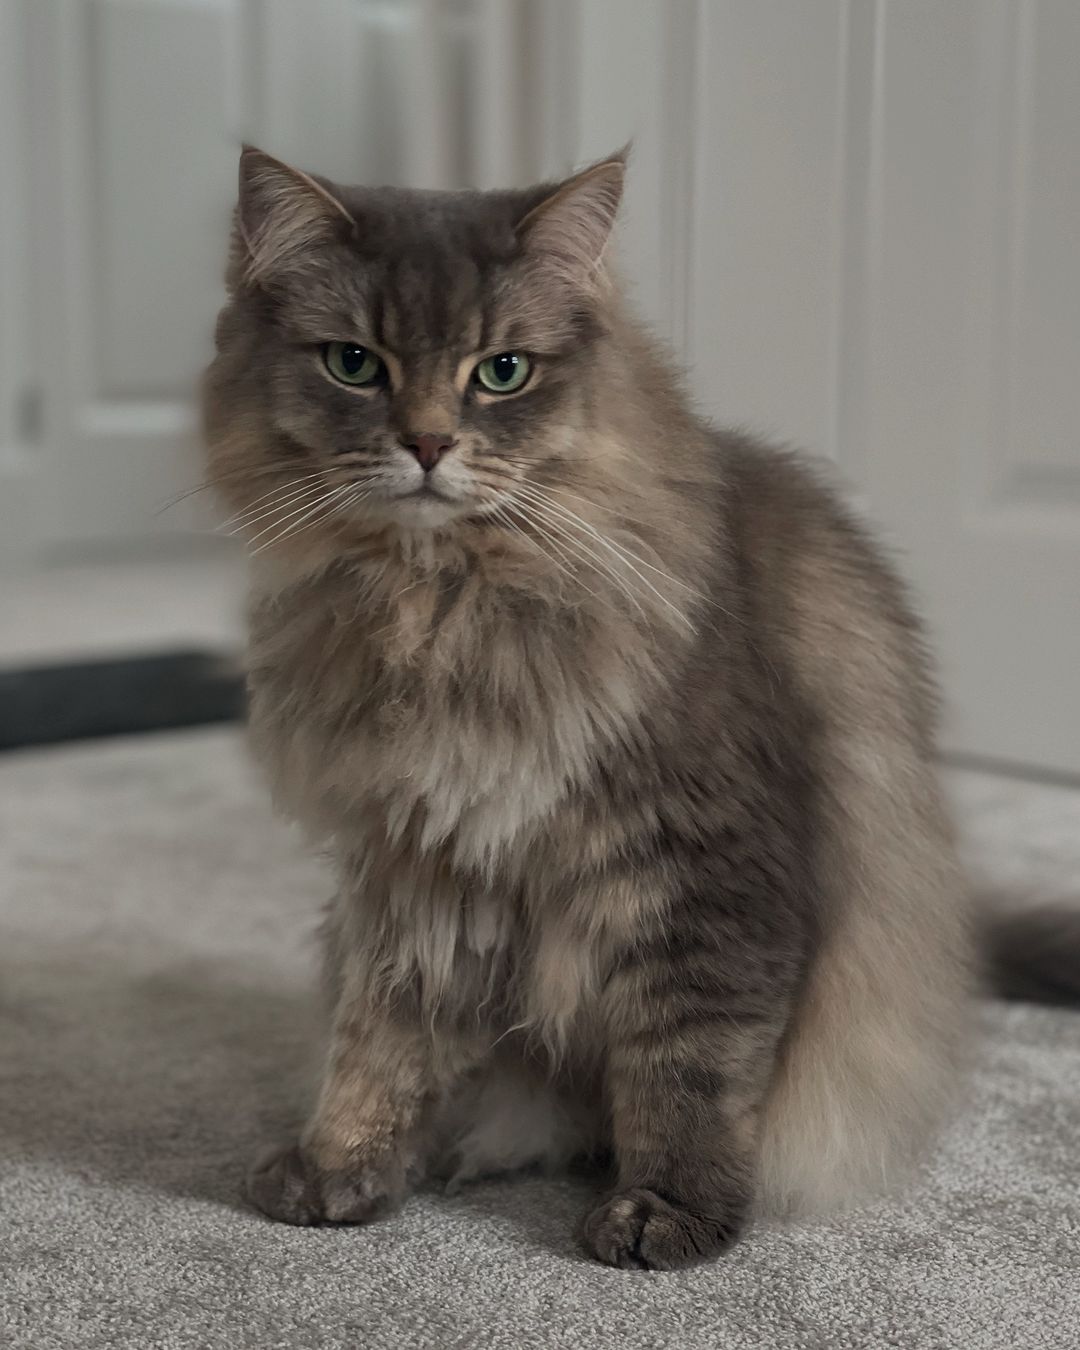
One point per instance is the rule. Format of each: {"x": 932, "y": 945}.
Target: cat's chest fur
{"x": 450, "y": 713}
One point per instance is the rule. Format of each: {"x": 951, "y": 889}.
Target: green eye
{"x": 353, "y": 364}
{"x": 503, "y": 374}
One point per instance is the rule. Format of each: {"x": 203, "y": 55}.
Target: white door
{"x": 120, "y": 127}
{"x": 969, "y": 445}
{"x": 861, "y": 225}
{"x": 857, "y": 220}
{"x": 132, "y": 117}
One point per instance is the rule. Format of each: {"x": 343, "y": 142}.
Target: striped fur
{"x": 622, "y": 741}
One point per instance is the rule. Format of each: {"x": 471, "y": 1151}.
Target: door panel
{"x": 138, "y": 109}
{"x": 883, "y": 265}
{"x": 132, "y": 108}
{"x": 859, "y": 222}
{"x": 972, "y": 326}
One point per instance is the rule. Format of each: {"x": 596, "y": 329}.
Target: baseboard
{"x": 118, "y": 696}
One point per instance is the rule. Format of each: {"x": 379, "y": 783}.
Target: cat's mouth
{"x": 427, "y": 505}
{"x": 431, "y": 493}
{"x": 426, "y": 489}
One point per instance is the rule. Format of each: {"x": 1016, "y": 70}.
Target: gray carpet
{"x": 156, "y": 970}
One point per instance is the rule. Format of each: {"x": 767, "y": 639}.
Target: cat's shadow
{"x": 173, "y": 1079}
{"x": 533, "y": 1209}
{"x": 168, "y": 1079}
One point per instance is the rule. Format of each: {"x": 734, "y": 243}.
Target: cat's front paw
{"x": 289, "y": 1185}
{"x": 639, "y": 1230}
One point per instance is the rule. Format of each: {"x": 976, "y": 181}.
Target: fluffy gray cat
{"x": 618, "y": 727}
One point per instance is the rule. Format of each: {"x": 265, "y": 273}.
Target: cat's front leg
{"x": 362, "y": 1145}
{"x": 690, "y": 1051}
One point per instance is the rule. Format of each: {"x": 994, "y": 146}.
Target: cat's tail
{"x": 880, "y": 1039}
{"x": 1033, "y": 953}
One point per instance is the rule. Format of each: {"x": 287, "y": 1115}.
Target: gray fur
{"x": 621, "y": 732}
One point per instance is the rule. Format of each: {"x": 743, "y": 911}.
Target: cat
{"x": 619, "y": 729}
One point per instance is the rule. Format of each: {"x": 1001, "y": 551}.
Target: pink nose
{"x": 428, "y": 447}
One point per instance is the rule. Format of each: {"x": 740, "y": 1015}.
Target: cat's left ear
{"x": 571, "y": 228}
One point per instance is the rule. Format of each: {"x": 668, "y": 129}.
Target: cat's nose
{"x": 428, "y": 446}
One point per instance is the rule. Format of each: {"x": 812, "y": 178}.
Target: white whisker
{"x": 217, "y": 481}
{"x": 550, "y": 488}
{"x": 500, "y": 514}
{"x": 600, "y": 563}
{"x": 630, "y": 554}
{"x": 628, "y": 559}
{"x": 582, "y": 553}
{"x": 250, "y": 518}
{"x": 278, "y": 487}
{"x": 328, "y": 505}
{"x": 574, "y": 517}
{"x": 304, "y": 512}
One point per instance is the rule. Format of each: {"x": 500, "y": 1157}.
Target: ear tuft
{"x": 571, "y": 228}
{"x": 280, "y": 215}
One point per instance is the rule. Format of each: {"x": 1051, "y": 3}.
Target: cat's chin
{"x": 425, "y": 511}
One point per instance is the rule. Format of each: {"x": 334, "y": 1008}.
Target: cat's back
{"x": 874, "y": 1046}
{"x": 821, "y": 589}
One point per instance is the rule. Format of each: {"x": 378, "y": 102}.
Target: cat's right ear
{"x": 280, "y": 215}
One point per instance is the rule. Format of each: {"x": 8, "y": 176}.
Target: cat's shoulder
{"x": 802, "y": 536}
{"x": 754, "y": 469}
{"x": 794, "y": 498}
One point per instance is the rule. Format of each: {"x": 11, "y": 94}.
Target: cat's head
{"x": 393, "y": 359}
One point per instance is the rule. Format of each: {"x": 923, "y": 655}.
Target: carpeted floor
{"x": 155, "y": 1004}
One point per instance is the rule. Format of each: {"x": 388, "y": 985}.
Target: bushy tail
{"x": 1033, "y": 954}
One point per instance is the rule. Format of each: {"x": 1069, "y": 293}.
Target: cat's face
{"x": 404, "y": 359}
